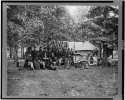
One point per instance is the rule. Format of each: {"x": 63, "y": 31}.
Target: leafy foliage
{"x": 38, "y": 24}
{"x": 103, "y": 21}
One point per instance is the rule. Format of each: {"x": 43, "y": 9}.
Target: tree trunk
{"x": 100, "y": 51}
{"x": 23, "y": 52}
{"x": 105, "y": 60}
{"x": 112, "y": 51}
{"x": 10, "y": 52}
{"x": 39, "y": 41}
{"x": 16, "y": 56}
{"x": 48, "y": 45}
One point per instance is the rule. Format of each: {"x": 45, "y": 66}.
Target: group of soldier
{"x": 48, "y": 58}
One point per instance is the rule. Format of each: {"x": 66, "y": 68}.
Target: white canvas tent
{"x": 86, "y": 46}
{"x": 85, "y": 49}
{"x": 73, "y": 45}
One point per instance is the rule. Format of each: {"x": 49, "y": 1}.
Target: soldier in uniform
{"x": 28, "y": 59}
{"x": 46, "y": 57}
{"x": 67, "y": 58}
{"x": 63, "y": 56}
{"x": 52, "y": 62}
{"x": 71, "y": 54}
{"x": 41, "y": 55}
{"x": 34, "y": 54}
{"x": 57, "y": 56}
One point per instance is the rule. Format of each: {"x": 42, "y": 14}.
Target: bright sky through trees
{"x": 72, "y": 10}
{"x": 77, "y": 11}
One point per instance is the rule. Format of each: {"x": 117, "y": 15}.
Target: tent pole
{"x": 74, "y": 50}
{"x": 74, "y": 46}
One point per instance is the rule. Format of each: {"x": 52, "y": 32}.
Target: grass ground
{"x": 95, "y": 81}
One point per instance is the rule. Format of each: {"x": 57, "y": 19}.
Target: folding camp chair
{"x": 80, "y": 60}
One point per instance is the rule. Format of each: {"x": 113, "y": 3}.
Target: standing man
{"x": 46, "y": 57}
{"x": 34, "y": 54}
{"x": 71, "y": 54}
{"x": 41, "y": 55}
{"x": 67, "y": 59}
{"x": 28, "y": 59}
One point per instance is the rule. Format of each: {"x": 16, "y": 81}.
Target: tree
{"x": 12, "y": 39}
{"x": 16, "y": 29}
{"x": 53, "y": 22}
{"x": 106, "y": 18}
{"x": 30, "y": 24}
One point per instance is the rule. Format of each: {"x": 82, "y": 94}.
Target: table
{"x": 47, "y": 61}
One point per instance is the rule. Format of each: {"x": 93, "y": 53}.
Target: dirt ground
{"x": 95, "y": 81}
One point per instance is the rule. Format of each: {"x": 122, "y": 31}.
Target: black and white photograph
{"x": 56, "y": 50}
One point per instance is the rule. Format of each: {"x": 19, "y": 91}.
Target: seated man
{"x": 60, "y": 61}
{"x": 91, "y": 60}
{"x": 41, "y": 62}
{"x": 63, "y": 60}
{"x": 52, "y": 62}
{"x": 40, "y": 58}
{"x": 30, "y": 63}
